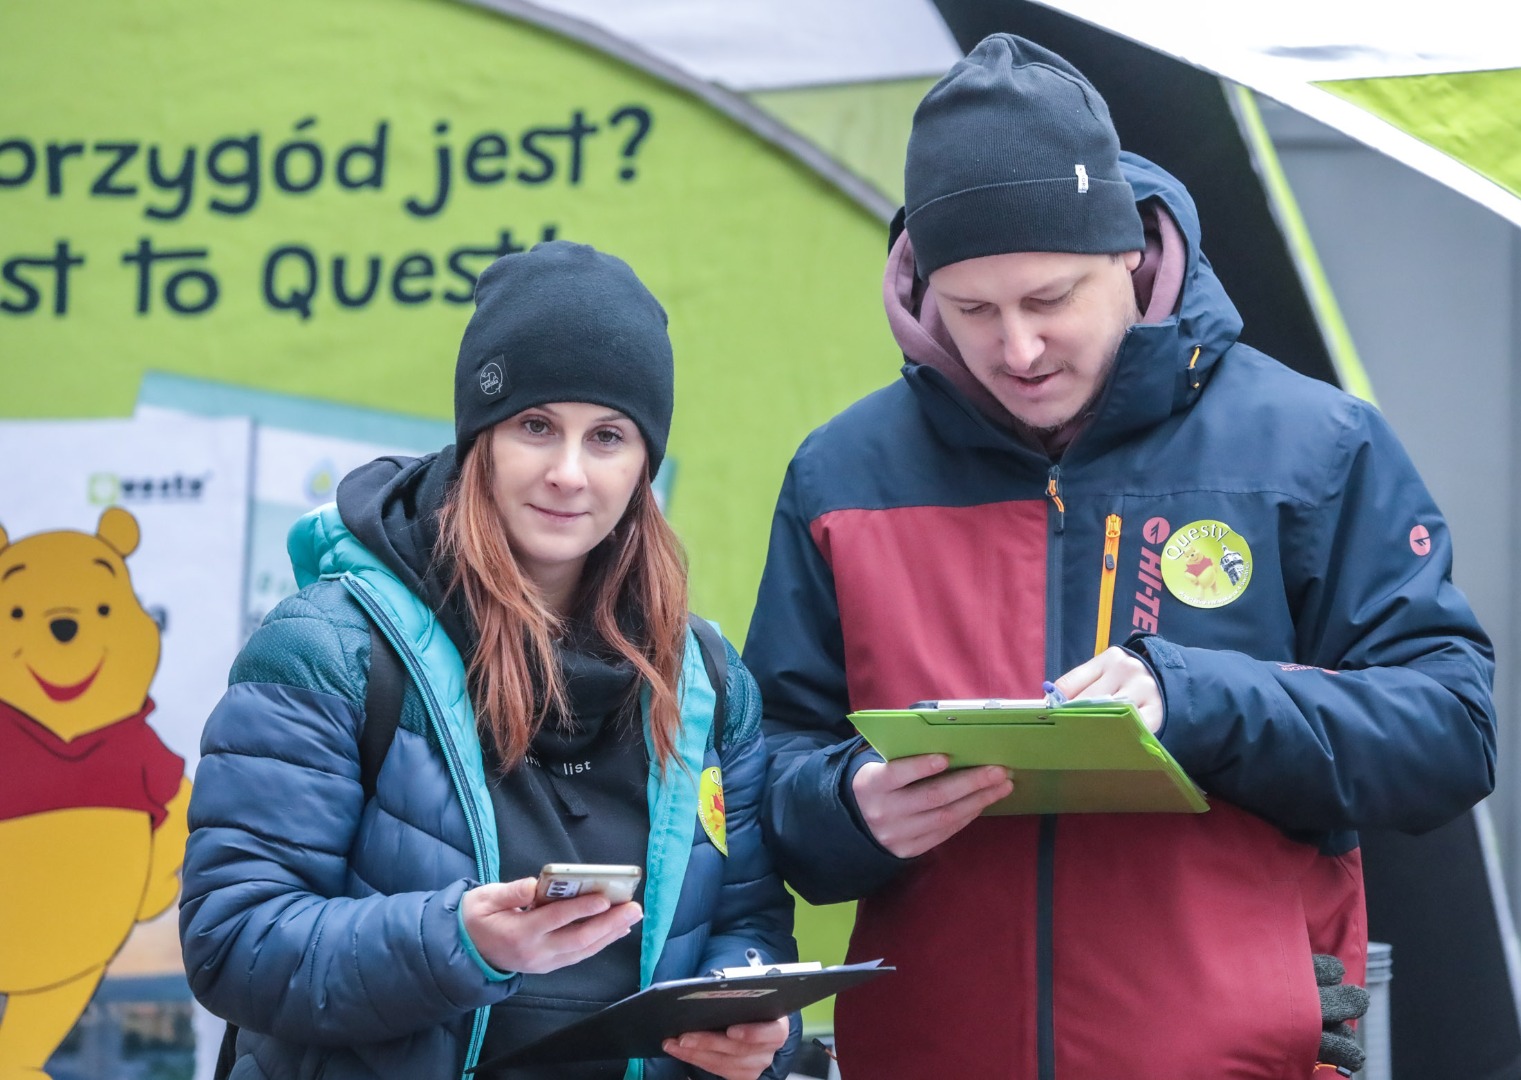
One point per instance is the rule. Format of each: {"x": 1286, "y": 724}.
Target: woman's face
{"x": 563, "y": 476}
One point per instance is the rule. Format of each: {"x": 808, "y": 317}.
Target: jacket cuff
{"x": 863, "y": 861}
{"x": 860, "y": 755}
{"x": 1141, "y": 647}
{"x": 487, "y": 970}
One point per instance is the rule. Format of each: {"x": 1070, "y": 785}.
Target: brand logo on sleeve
{"x": 1420, "y": 540}
{"x": 1206, "y": 564}
{"x": 710, "y": 808}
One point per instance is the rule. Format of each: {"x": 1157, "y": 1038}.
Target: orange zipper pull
{"x": 1054, "y": 493}
{"x": 1106, "y": 581}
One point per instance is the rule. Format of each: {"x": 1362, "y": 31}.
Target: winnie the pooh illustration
{"x": 92, "y": 803}
{"x": 1202, "y": 573}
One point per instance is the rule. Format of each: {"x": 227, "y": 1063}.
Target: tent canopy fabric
{"x": 1347, "y": 64}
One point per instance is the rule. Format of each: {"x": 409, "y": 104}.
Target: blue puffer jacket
{"x": 327, "y": 928}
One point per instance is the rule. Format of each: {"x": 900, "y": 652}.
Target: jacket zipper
{"x": 1053, "y": 568}
{"x": 451, "y": 759}
{"x": 445, "y": 738}
{"x": 1045, "y": 858}
{"x": 1106, "y": 582}
{"x": 1045, "y": 937}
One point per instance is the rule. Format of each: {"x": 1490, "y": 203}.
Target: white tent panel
{"x": 1278, "y": 49}
{"x": 1379, "y": 134}
{"x": 1282, "y": 49}
{"x": 1310, "y": 40}
{"x": 774, "y": 44}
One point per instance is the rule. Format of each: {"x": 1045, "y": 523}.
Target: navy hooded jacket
{"x": 1263, "y": 540}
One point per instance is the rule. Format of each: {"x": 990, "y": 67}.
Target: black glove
{"x": 1339, "y": 1002}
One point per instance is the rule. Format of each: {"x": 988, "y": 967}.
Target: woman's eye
{"x": 608, "y": 436}
{"x": 974, "y": 309}
{"x": 535, "y": 425}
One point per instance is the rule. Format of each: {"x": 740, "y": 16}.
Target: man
{"x": 1080, "y": 453}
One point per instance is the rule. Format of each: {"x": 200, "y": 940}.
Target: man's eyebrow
{"x": 1059, "y": 284}
{"x": 1062, "y": 284}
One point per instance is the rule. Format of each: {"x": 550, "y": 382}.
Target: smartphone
{"x": 561, "y": 881}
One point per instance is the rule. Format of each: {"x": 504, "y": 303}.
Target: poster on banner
{"x": 121, "y": 577}
{"x": 277, "y": 195}
{"x": 185, "y": 484}
{"x": 301, "y": 449}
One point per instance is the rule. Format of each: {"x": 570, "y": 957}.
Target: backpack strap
{"x": 382, "y": 715}
{"x": 382, "y": 709}
{"x": 227, "y": 1054}
{"x": 715, "y": 660}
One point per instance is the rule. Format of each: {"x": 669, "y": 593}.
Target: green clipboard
{"x": 1080, "y": 757}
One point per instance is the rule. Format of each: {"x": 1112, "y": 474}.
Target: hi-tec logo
{"x": 491, "y": 379}
{"x": 110, "y": 489}
{"x": 1147, "y": 613}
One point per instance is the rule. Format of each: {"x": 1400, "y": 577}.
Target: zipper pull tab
{"x": 1054, "y": 493}
{"x": 1106, "y": 582}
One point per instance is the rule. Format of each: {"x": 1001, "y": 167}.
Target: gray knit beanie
{"x": 564, "y": 322}
{"x": 1014, "y": 150}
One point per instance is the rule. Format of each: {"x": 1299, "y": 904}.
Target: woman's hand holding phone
{"x": 511, "y": 935}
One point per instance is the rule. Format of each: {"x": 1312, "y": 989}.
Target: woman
{"x": 557, "y": 710}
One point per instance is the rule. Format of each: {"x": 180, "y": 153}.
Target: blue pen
{"x": 1054, "y": 697}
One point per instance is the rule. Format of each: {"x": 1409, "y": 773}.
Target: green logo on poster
{"x": 104, "y": 489}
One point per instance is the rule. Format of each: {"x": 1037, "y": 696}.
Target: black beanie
{"x": 564, "y": 322}
{"x": 1013, "y": 150}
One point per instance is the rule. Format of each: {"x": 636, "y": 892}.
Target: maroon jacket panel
{"x": 925, "y": 595}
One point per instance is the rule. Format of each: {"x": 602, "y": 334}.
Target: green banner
{"x": 296, "y": 197}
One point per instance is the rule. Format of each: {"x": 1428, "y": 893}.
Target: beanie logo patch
{"x": 491, "y": 379}
{"x": 1082, "y": 179}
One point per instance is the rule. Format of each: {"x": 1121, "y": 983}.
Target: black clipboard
{"x": 1087, "y": 756}
{"x": 636, "y": 1026}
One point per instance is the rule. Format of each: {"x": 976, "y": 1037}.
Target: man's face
{"x": 1039, "y": 329}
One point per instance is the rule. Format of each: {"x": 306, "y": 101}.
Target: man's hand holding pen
{"x": 1117, "y": 673}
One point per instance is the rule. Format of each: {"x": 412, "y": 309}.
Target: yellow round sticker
{"x": 710, "y": 808}
{"x": 1206, "y": 564}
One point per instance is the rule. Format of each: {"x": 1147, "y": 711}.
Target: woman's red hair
{"x": 639, "y": 572}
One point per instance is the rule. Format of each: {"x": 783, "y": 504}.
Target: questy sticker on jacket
{"x": 710, "y": 808}
{"x": 1206, "y": 564}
